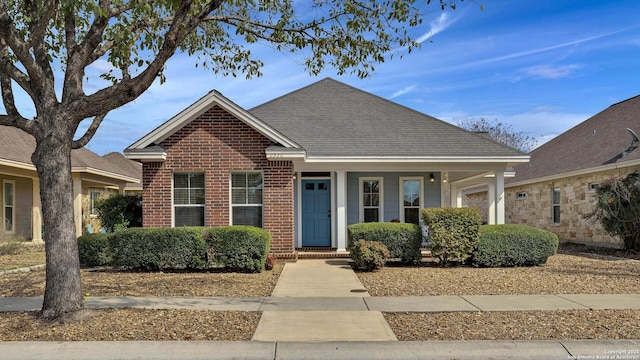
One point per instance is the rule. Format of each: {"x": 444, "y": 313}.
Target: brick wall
{"x": 216, "y": 143}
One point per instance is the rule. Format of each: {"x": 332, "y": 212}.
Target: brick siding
{"x": 216, "y": 143}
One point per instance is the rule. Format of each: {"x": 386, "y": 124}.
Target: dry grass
{"x": 33, "y": 255}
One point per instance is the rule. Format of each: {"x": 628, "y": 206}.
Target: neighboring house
{"x": 93, "y": 176}
{"x": 307, "y": 164}
{"x": 555, "y": 190}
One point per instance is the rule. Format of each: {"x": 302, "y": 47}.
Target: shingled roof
{"x": 598, "y": 142}
{"x": 17, "y": 146}
{"x": 329, "y": 118}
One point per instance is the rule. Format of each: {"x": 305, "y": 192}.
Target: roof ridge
{"x": 620, "y": 102}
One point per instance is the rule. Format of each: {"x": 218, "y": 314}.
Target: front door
{"x": 316, "y": 213}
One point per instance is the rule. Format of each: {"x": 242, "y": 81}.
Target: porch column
{"x": 456, "y": 196}
{"x": 500, "y": 197}
{"x": 36, "y": 215}
{"x": 491, "y": 200}
{"x": 341, "y": 210}
{"x": 77, "y": 203}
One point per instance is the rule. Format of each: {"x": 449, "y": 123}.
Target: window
{"x": 555, "y": 205}
{"x": 188, "y": 199}
{"x": 371, "y": 200}
{"x": 594, "y": 186}
{"x": 93, "y": 197}
{"x": 246, "y": 198}
{"x": 521, "y": 195}
{"x": 8, "y": 206}
{"x": 411, "y": 199}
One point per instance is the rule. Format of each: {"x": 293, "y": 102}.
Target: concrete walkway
{"x": 319, "y": 310}
{"x": 309, "y": 298}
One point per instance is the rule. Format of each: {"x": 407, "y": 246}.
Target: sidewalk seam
{"x": 575, "y": 302}
{"x": 568, "y": 352}
{"x": 470, "y": 303}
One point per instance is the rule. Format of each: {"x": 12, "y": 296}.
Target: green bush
{"x": 402, "y": 240}
{"x": 118, "y": 212}
{"x": 513, "y": 245}
{"x": 241, "y": 248}
{"x": 95, "y": 250}
{"x": 159, "y": 248}
{"x": 369, "y": 255}
{"x": 453, "y": 232}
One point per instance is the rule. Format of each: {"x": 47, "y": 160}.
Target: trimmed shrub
{"x": 453, "y": 232}
{"x": 240, "y": 248}
{"x": 402, "y": 240}
{"x": 159, "y": 248}
{"x": 95, "y": 250}
{"x": 119, "y": 212}
{"x": 369, "y": 255}
{"x": 513, "y": 245}
{"x": 12, "y": 246}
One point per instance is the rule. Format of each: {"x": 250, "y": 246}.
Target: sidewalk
{"x": 319, "y": 310}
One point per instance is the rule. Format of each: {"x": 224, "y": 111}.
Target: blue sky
{"x": 539, "y": 66}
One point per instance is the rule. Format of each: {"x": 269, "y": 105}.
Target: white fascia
{"x": 146, "y": 155}
{"x": 420, "y": 159}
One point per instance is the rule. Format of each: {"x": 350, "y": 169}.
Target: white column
{"x": 456, "y": 196}
{"x": 341, "y": 210}
{"x": 499, "y": 197}
{"x": 77, "y": 203}
{"x": 491, "y": 200}
{"x": 36, "y": 214}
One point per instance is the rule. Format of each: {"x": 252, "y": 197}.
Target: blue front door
{"x": 316, "y": 213}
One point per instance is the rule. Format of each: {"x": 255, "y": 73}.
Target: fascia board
{"x": 575, "y": 173}
{"x": 412, "y": 159}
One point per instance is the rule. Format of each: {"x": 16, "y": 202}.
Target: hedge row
{"x": 235, "y": 247}
{"x": 513, "y": 245}
{"x": 402, "y": 240}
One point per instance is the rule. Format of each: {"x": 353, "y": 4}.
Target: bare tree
{"x": 46, "y": 47}
{"x": 501, "y": 132}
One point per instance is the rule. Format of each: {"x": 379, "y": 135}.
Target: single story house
{"x": 555, "y": 190}
{"x": 93, "y": 177}
{"x": 309, "y": 163}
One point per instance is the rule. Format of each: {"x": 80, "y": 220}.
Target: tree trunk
{"x": 63, "y": 293}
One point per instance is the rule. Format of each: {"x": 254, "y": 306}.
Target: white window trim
{"x": 173, "y": 204}
{"x": 361, "y": 181}
{"x": 401, "y": 192}
{"x": 553, "y": 205}
{"x": 231, "y": 205}
{"x": 92, "y": 203}
{"x": 4, "y": 206}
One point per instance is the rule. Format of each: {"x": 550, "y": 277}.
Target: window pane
{"x": 366, "y": 199}
{"x": 254, "y": 180}
{"x": 180, "y": 196}
{"x": 322, "y": 186}
{"x": 197, "y": 180}
{"x": 412, "y": 215}
{"x": 556, "y": 214}
{"x": 366, "y": 187}
{"x": 247, "y": 215}
{"x": 556, "y": 196}
{"x": 310, "y": 186}
{"x": 189, "y": 216}
{"x": 8, "y": 219}
{"x": 375, "y": 186}
{"x": 371, "y": 215}
{"x": 197, "y": 196}
{"x": 238, "y": 180}
{"x": 254, "y": 196}
{"x": 8, "y": 194}
{"x": 375, "y": 200}
{"x": 181, "y": 181}
{"x": 238, "y": 196}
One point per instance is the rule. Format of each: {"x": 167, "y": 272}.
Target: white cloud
{"x": 401, "y": 92}
{"x": 437, "y": 26}
{"x": 553, "y": 72}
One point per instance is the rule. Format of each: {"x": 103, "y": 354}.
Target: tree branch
{"x": 88, "y": 135}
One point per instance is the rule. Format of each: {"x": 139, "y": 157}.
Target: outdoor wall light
{"x": 432, "y": 178}
{"x": 295, "y": 176}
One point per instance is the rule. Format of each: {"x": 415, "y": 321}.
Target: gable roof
{"x": 151, "y": 140}
{"x": 596, "y": 144}
{"x": 17, "y": 146}
{"x": 332, "y": 119}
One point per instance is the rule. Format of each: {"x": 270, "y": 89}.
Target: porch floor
{"x": 331, "y": 253}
